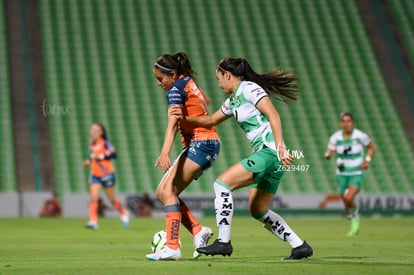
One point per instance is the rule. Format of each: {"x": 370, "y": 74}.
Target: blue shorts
{"x": 202, "y": 152}
{"x": 106, "y": 181}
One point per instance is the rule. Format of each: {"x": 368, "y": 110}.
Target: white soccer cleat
{"x": 125, "y": 219}
{"x": 165, "y": 254}
{"x": 91, "y": 225}
{"x": 201, "y": 239}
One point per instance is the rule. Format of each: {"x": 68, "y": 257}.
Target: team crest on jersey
{"x": 236, "y": 102}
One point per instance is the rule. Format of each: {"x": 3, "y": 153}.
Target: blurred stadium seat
{"x": 7, "y": 160}
{"x": 99, "y": 57}
{"x": 403, "y": 11}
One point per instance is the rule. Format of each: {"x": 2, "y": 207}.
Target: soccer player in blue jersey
{"x": 348, "y": 144}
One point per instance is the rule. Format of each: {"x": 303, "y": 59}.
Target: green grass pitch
{"x": 64, "y": 246}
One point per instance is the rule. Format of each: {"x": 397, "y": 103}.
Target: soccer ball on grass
{"x": 159, "y": 241}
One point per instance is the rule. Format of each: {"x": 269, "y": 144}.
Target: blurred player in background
{"x": 102, "y": 174}
{"x": 348, "y": 145}
{"x": 145, "y": 206}
{"x": 174, "y": 74}
{"x": 249, "y": 103}
{"x": 51, "y": 207}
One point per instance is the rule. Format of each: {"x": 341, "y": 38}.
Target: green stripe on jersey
{"x": 351, "y": 169}
{"x": 350, "y": 156}
{"x": 348, "y": 142}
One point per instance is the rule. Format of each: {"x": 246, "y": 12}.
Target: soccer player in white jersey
{"x": 249, "y": 103}
{"x": 348, "y": 144}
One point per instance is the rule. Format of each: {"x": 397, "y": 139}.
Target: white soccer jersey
{"x": 350, "y": 152}
{"x": 242, "y": 105}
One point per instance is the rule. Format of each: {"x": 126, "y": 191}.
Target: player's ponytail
{"x": 178, "y": 62}
{"x": 278, "y": 83}
{"x": 184, "y": 67}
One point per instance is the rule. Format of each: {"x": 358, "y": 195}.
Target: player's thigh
{"x": 165, "y": 187}
{"x": 177, "y": 178}
{"x": 94, "y": 189}
{"x": 237, "y": 176}
{"x": 350, "y": 193}
{"x": 356, "y": 181}
{"x": 255, "y": 169}
{"x": 342, "y": 182}
{"x": 259, "y": 200}
{"x": 110, "y": 193}
{"x": 186, "y": 172}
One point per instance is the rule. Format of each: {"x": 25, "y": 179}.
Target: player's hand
{"x": 176, "y": 111}
{"x": 164, "y": 162}
{"x": 85, "y": 163}
{"x": 365, "y": 165}
{"x": 285, "y": 158}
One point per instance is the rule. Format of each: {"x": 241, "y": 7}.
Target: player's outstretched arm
{"x": 205, "y": 121}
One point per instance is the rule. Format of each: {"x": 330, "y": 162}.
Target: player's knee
{"x": 159, "y": 193}
{"x": 348, "y": 200}
{"x": 163, "y": 194}
{"x": 256, "y": 211}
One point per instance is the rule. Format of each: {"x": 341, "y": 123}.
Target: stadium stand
{"x": 7, "y": 161}
{"x": 403, "y": 12}
{"x": 99, "y": 57}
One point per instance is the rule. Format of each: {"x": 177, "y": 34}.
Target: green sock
{"x": 354, "y": 227}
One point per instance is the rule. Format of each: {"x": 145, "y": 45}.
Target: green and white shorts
{"x": 266, "y": 168}
{"x": 345, "y": 181}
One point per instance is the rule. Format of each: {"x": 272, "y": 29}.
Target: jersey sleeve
{"x": 365, "y": 140}
{"x": 225, "y": 108}
{"x": 110, "y": 152}
{"x": 254, "y": 93}
{"x": 175, "y": 96}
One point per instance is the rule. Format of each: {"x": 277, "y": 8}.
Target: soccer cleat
{"x": 354, "y": 228}
{"x": 125, "y": 219}
{"x": 165, "y": 254}
{"x": 91, "y": 225}
{"x": 201, "y": 239}
{"x": 303, "y": 251}
{"x": 217, "y": 248}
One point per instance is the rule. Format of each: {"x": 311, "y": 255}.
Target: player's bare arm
{"x": 266, "y": 107}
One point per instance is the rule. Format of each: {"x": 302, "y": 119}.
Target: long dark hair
{"x": 104, "y": 135}
{"x": 278, "y": 83}
{"x": 178, "y": 62}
